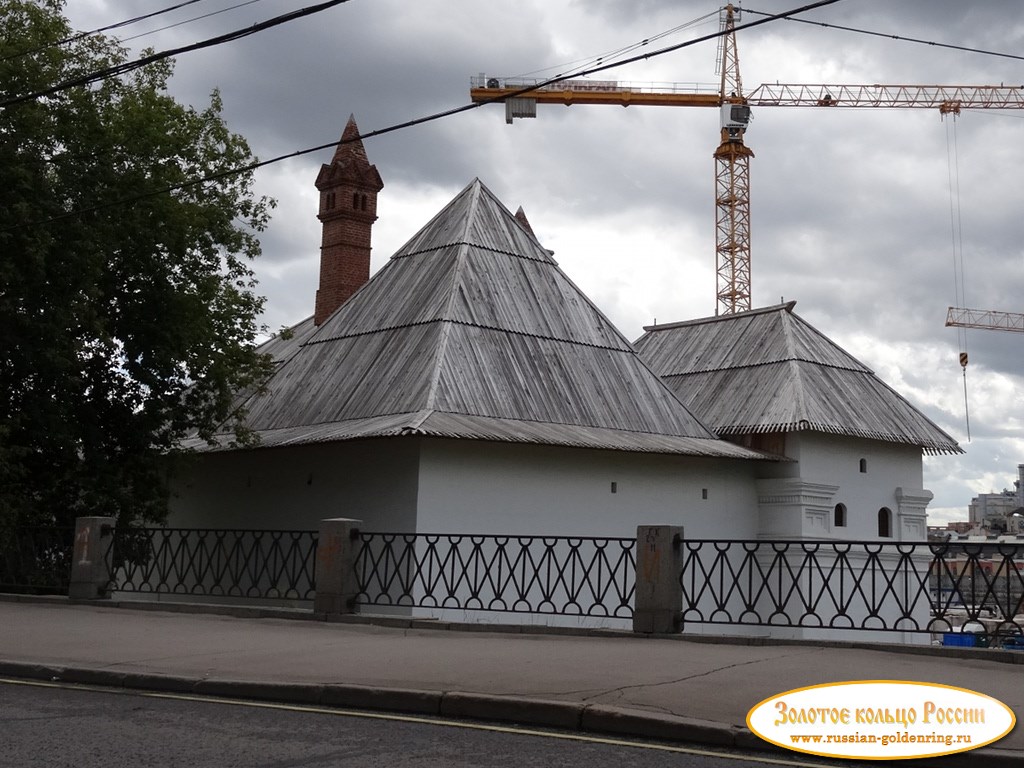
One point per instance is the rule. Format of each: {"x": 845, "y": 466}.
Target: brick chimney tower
{"x": 348, "y": 207}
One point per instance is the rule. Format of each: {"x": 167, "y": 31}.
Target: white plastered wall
{"x": 481, "y": 487}
{"x": 499, "y": 488}
{"x": 799, "y": 500}
{"x": 828, "y": 472}
{"x": 295, "y": 488}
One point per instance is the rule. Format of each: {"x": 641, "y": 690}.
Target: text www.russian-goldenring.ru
{"x": 885, "y": 740}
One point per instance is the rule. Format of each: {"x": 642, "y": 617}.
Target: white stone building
{"x": 469, "y": 386}
{"x": 768, "y": 380}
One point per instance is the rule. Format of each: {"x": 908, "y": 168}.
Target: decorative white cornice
{"x": 913, "y": 497}
{"x": 794, "y": 491}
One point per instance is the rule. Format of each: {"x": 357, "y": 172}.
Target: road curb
{"x": 408, "y": 700}
{"x": 562, "y": 715}
{"x": 566, "y": 715}
{"x": 601, "y": 718}
{"x": 284, "y": 693}
{"x": 142, "y": 681}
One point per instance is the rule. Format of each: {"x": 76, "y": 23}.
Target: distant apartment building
{"x": 1001, "y": 512}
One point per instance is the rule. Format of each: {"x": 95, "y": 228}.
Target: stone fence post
{"x": 336, "y": 549}
{"x": 659, "y": 595}
{"x": 90, "y": 572}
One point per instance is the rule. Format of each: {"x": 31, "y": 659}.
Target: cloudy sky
{"x": 851, "y": 209}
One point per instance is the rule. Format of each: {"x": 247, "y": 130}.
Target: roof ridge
{"x": 468, "y": 218}
{"x": 788, "y": 306}
{"x": 421, "y": 417}
{"x": 471, "y": 211}
{"x": 858, "y": 365}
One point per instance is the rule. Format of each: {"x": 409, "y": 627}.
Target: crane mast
{"x": 732, "y": 181}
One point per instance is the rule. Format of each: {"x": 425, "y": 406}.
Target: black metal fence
{"x": 565, "y": 575}
{"x": 213, "y": 562}
{"x": 865, "y": 585}
{"x": 35, "y": 560}
{"x": 918, "y": 587}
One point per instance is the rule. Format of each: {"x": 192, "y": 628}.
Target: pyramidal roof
{"x": 768, "y": 370}
{"x": 472, "y": 331}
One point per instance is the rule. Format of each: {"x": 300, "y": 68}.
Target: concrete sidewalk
{"x": 613, "y": 683}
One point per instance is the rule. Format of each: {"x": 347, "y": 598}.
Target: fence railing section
{"x": 212, "y": 562}
{"x": 921, "y": 587}
{"x": 35, "y": 560}
{"x": 564, "y": 575}
{"x": 913, "y": 587}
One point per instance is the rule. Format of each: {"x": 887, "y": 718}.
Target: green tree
{"x": 125, "y": 326}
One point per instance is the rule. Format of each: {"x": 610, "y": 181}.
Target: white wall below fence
{"x": 479, "y": 487}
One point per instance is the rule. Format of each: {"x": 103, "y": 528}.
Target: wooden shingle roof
{"x": 472, "y": 331}
{"x": 768, "y": 370}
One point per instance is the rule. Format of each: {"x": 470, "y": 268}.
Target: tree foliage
{"x": 125, "y": 326}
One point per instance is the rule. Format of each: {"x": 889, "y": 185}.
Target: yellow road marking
{"x": 417, "y": 719}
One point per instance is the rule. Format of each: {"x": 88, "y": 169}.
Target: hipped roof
{"x": 768, "y": 370}
{"x": 471, "y": 330}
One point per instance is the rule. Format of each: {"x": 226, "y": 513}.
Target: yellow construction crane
{"x": 732, "y": 158}
{"x": 985, "y": 319}
{"x": 959, "y": 317}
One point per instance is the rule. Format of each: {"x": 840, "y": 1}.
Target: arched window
{"x": 355, "y": 201}
{"x": 885, "y": 523}
{"x": 864, "y": 466}
{"x": 839, "y": 517}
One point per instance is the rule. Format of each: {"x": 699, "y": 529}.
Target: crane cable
{"x": 610, "y": 56}
{"x": 957, "y": 239}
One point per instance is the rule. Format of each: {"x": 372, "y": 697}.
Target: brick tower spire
{"x": 348, "y": 207}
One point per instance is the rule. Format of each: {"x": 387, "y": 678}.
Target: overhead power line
{"x": 117, "y": 25}
{"x": 417, "y": 121}
{"x": 190, "y": 20}
{"x": 129, "y": 66}
{"x": 609, "y": 56}
{"x": 897, "y": 37}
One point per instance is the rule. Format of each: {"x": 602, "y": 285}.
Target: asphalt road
{"x": 68, "y": 726}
